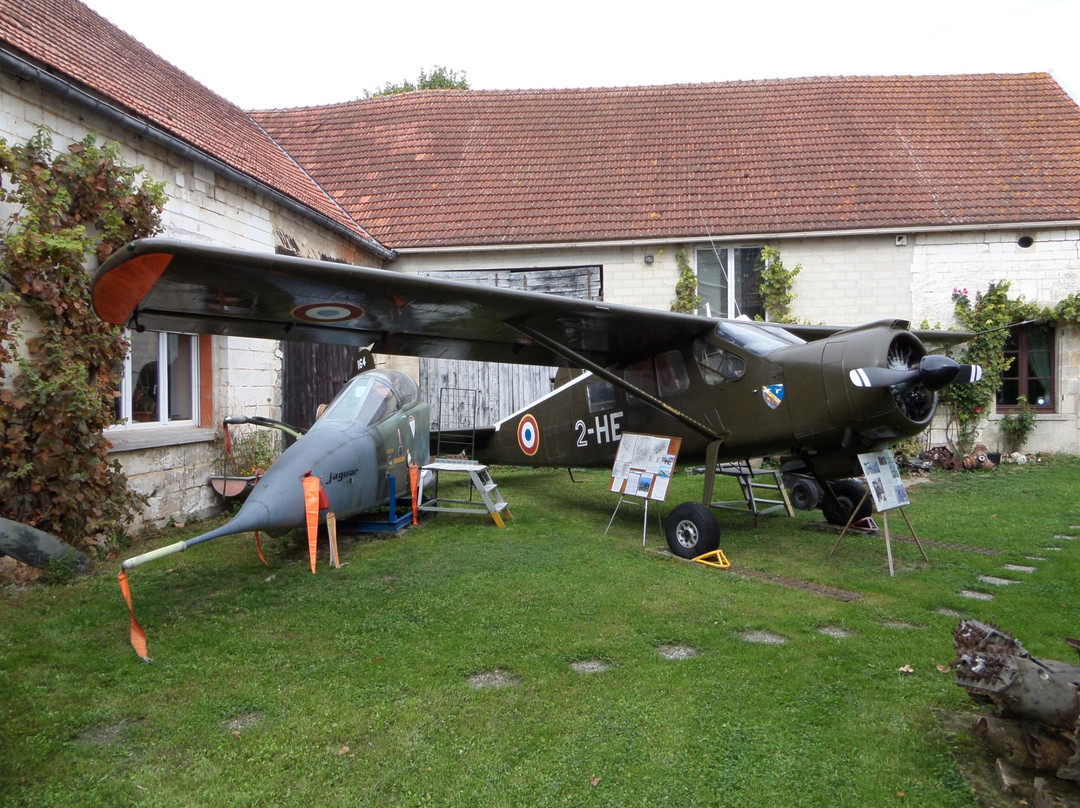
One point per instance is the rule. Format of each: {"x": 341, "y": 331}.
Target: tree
{"x": 59, "y": 361}
{"x": 440, "y": 78}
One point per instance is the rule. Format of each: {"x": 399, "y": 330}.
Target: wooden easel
{"x": 885, "y": 524}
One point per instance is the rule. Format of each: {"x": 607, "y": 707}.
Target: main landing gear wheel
{"x": 692, "y": 530}
{"x": 804, "y": 493}
{"x": 848, "y": 495}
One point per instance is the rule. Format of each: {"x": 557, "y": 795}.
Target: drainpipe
{"x": 23, "y": 69}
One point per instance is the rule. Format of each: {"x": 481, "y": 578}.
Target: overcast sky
{"x": 271, "y": 53}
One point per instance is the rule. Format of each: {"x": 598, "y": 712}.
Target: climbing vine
{"x": 58, "y": 360}
{"x": 687, "y": 300}
{"x": 992, "y": 310}
{"x": 776, "y": 283}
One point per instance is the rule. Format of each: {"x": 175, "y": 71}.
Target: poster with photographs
{"x": 644, "y": 465}
{"x": 883, "y": 479}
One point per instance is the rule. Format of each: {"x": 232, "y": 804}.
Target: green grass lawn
{"x": 271, "y": 686}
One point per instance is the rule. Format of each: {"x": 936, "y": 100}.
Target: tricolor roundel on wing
{"x": 327, "y": 312}
{"x": 528, "y": 435}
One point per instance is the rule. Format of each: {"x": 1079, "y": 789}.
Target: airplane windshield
{"x": 368, "y": 399}
{"x": 757, "y": 338}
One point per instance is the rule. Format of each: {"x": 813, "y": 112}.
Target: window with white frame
{"x": 161, "y": 380}
{"x": 729, "y": 281}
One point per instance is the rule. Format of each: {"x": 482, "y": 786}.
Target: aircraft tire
{"x": 692, "y": 530}
{"x": 804, "y": 493}
{"x": 848, "y": 495}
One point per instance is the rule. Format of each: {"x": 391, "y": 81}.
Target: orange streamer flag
{"x": 138, "y": 636}
{"x": 414, "y": 485}
{"x": 258, "y": 546}
{"x": 312, "y": 488}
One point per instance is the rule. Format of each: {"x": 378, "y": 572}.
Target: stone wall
{"x": 169, "y": 465}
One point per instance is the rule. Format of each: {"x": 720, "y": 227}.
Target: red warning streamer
{"x": 314, "y": 499}
{"x": 138, "y": 636}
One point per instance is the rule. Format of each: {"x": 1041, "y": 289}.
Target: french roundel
{"x": 327, "y": 312}
{"x": 528, "y": 435}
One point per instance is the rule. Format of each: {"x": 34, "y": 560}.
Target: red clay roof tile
{"x": 459, "y": 168}
{"x": 72, "y": 41}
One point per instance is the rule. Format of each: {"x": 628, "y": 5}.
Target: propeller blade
{"x": 881, "y": 377}
{"x": 937, "y": 371}
{"x": 933, "y": 372}
{"x": 969, "y": 374}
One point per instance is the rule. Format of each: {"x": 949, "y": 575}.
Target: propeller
{"x": 933, "y": 373}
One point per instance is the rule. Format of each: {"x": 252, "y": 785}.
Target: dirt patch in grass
{"x": 900, "y": 625}
{"x": 16, "y": 573}
{"x": 242, "y": 722}
{"x": 834, "y": 631}
{"x": 824, "y": 591}
{"x": 590, "y": 666}
{"x": 975, "y": 761}
{"x": 995, "y": 581}
{"x": 495, "y": 678}
{"x": 949, "y": 612}
{"x": 671, "y": 651}
{"x": 794, "y": 583}
{"x": 108, "y": 734}
{"x": 765, "y": 637}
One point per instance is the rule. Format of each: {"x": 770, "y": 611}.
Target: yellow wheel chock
{"x": 714, "y": 558}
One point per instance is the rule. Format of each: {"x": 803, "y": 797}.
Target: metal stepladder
{"x": 491, "y": 500}
{"x": 770, "y": 483}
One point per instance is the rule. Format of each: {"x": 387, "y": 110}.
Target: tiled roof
{"x": 454, "y": 168}
{"x": 70, "y": 41}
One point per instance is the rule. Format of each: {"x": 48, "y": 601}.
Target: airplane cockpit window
{"x": 642, "y": 375}
{"x": 368, "y": 399}
{"x": 671, "y": 373}
{"x": 404, "y": 386}
{"x": 718, "y": 365}
{"x": 757, "y": 338}
{"x": 601, "y": 395}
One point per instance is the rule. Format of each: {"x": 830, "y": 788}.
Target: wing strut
{"x": 605, "y": 374}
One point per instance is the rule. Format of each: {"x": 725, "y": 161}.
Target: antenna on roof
{"x": 723, "y": 268}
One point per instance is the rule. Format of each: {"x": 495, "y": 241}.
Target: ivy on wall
{"x": 687, "y": 300}
{"x": 776, "y": 283}
{"x": 59, "y": 362}
{"x": 989, "y": 315}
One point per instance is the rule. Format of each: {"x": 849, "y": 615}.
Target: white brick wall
{"x": 858, "y": 279}
{"x": 201, "y": 207}
{"x": 1043, "y": 273}
{"x": 848, "y": 281}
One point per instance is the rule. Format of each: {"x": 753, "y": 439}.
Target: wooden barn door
{"x": 312, "y": 375}
{"x": 503, "y": 389}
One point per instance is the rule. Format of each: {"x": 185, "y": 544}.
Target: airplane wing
{"x": 810, "y": 333}
{"x": 175, "y": 286}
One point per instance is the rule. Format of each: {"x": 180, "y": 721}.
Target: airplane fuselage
{"x": 755, "y": 388}
{"x": 366, "y": 438}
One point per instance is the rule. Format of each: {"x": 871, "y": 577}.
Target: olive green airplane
{"x": 729, "y": 389}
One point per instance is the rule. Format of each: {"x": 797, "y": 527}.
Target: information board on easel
{"x": 644, "y": 464}
{"x": 643, "y": 468}
{"x": 884, "y": 481}
{"x": 886, "y": 488}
